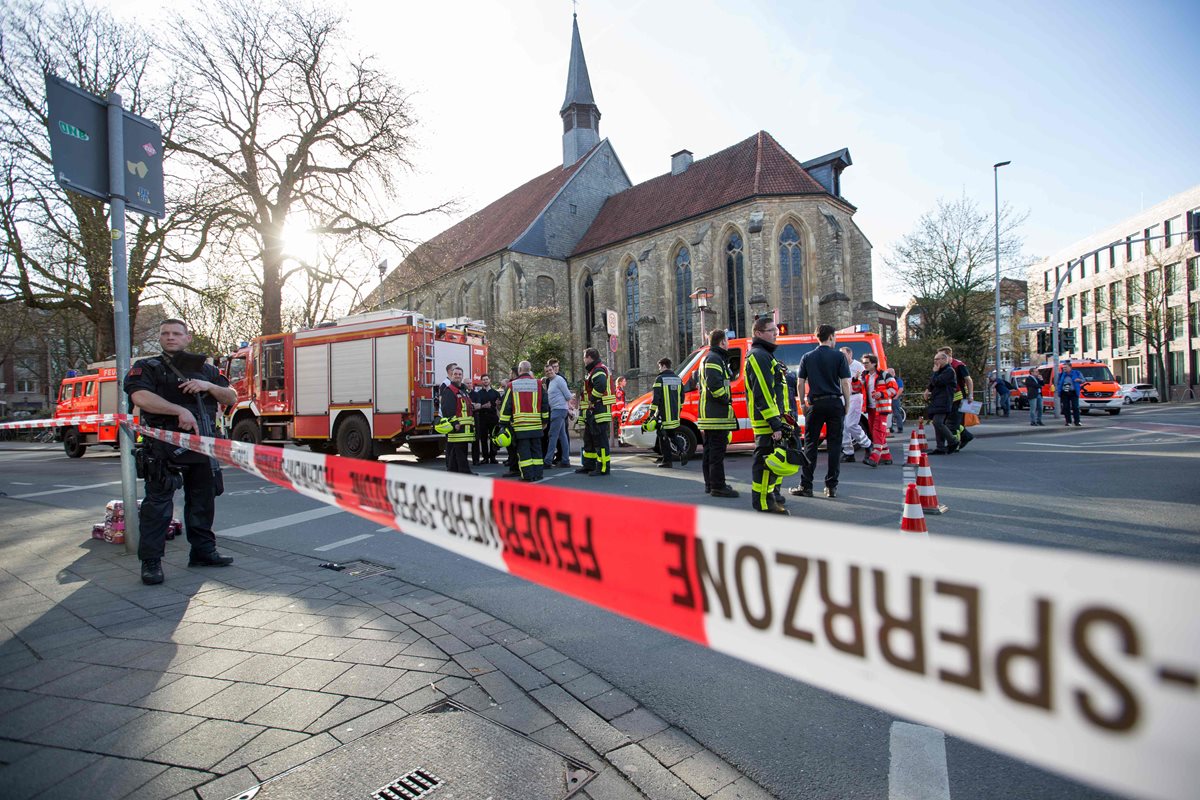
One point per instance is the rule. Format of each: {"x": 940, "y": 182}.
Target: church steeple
{"x": 581, "y": 118}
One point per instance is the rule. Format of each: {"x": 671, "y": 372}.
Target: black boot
{"x": 152, "y": 571}
{"x": 211, "y": 559}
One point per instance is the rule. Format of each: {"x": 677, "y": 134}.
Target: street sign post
{"x": 100, "y": 150}
{"x": 610, "y": 320}
{"x": 613, "y": 342}
{"x": 1033, "y": 326}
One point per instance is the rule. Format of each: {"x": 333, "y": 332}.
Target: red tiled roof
{"x": 756, "y": 166}
{"x": 489, "y": 230}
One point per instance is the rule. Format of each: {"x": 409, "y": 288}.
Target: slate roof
{"x": 579, "y": 85}
{"x": 758, "y": 166}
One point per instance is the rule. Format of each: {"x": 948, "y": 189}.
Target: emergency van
{"x": 359, "y": 387}
{"x": 86, "y": 394}
{"x": 790, "y": 348}
{"x": 1100, "y": 390}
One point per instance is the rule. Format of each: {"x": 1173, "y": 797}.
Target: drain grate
{"x": 357, "y": 569}
{"x": 416, "y": 784}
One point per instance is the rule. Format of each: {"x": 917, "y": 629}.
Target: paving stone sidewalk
{"x": 221, "y": 678}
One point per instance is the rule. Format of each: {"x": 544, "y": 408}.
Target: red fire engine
{"x": 95, "y": 392}
{"x": 358, "y": 387}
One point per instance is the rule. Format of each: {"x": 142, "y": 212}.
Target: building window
{"x": 1071, "y": 308}
{"x": 1193, "y": 265}
{"x": 1175, "y": 368}
{"x": 1083, "y": 303}
{"x": 1085, "y": 338}
{"x": 1097, "y": 299}
{"x": 1133, "y": 327}
{"x": 1112, "y": 256}
{"x": 1101, "y": 336}
{"x": 589, "y": 309}
{"x": 26, "y": 385}
{"x": 1169, "y": 228}
{"x": 735, "y": 284}
{"x": 1129, "y": 248}
{"x": 1131, "y": 291}
{"x": 633, "y": 311}
{"x": 1195, "y": 366}
{"x": 685, "y": 330}
{"x": 1194, "y": 318}
{"x": 1152, "y": 244}
{"x": 1118, "y": 339}
{"x": 1114, "y": 296}
{"x": 1171, "y": 279}
{"x": 1175, "y": 323}
{"x": 1046, "y": 280}
{"x": 1096, "y": 264}
{"x": 791, "y": 279}
{"x": 574, "y": 209}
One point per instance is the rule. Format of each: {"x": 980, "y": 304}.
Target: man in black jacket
{"x": 486, "y": 402}
{"x": 178, "y": 391}
{"x": 716, "y": 420}
{"x": 824, "y": 377}
{"x": 939, "y": 397}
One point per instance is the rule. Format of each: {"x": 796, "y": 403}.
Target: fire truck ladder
{"x": 426, "y": 336}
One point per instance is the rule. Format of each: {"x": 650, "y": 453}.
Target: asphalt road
{"x": 1122, "y": 485}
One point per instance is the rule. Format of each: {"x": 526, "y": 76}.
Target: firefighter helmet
{"x": 650, "y": 425}
{"x": 443, "y": 425}
{"x": 502, "y": 437}
{"x": 784, "y": 461}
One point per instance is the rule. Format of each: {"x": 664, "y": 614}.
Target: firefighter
{"x": 457, "y": 422}
{"x": 527, "y": 411}
{"x": 766, "y": 390}
{"x": 598, "y": 399}
{"x": 666, "y": 400}
{"x": 177, "y": 391}
{"x": 716, "y": 421}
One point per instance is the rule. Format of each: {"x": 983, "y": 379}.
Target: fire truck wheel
{"x": 354, "y": 438}
{"x": 247, "y": 431}
{"x": 72, "y": 445}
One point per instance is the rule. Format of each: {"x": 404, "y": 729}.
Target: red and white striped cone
{"x": 914, "y": 450}
{"x": 921, "y": 437}
{"x": 926, "y": 489}
{"x": 913, "y": 520}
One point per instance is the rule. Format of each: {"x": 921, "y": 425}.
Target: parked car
{"x": 1139, "y": 392}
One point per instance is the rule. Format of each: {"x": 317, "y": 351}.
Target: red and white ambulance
{"x": 360, "y": 387}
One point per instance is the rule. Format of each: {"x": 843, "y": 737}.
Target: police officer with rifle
{"x": 177, "y": 391}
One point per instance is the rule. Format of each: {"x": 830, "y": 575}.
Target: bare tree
{"x": 948, "y": 264}
{"x": 289, "y": 129}
{"x": 514, "y": 335}
{"x": 55, "y": 250}
{"x": 1141, "y": 311}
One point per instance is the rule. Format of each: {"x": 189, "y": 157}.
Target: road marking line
{"x": 1168, "y": 433}
{"x": 918, "y": 763}
{"x": 66, "y": 489}
{"x": 384, "y": 530}
{"x": 21, "y": 483}
{"x": 351, "y": 540}
{"x": 279, "y": 522}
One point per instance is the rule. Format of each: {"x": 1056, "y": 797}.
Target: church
{"x": 751, "y": 226}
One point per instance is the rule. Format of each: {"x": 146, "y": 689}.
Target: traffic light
{"x": 1043, "y": 346}
{"x": 1193, "y": 226}
{"x": 1068, "y": 340}
{"x": 783, "y": 329}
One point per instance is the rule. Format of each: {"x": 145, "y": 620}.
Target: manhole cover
{"x": 357, "y": 569}
{"x": 469, "y": 756}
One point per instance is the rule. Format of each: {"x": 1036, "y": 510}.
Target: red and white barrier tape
{"x": 1088, "y": 665}
{"x": 60, "y": 422}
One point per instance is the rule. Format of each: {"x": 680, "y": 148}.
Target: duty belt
{"x": 825, "y": 397}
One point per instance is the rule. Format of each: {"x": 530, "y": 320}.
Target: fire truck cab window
{"x": 89, "y": 388}
{"x": 67, "y": 392}
{"x": 237, "y": 369}
{"x": 272, "y": 366}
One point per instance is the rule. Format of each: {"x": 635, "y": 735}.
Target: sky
{"x": 1096, "y": 104}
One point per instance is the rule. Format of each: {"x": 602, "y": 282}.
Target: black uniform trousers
{"x": 595, "y": 443}
{"x": 666, "y": 444}
{"x": 827, "y": 412}
{"x": 199, "y": 508}
{"x": 955, "y": 423}
{"x": 483, "y": 448}
{"x": 529, "y": 455}
{"x": 762, "y": 480}
{"x": 715, "y": 444}
{"x": 456, "y": 457}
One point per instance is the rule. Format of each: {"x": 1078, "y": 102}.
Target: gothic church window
{"x": 633, "y": 310}
{"x": 589, "y": 309}
{"x": 735, "y": 284}
{"x": 791, "y": 279}
{"x": 545, "y": 290}
{"x": 684, "y": 328}
{"x": 493, "y": 298}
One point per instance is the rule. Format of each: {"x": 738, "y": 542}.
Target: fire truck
{"x": 80, "y": 395}
{"x": 359, "y": 387}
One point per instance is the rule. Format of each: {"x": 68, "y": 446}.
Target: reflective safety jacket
{"x": 525, "y": 407}
{"x": 598, "y": 397}
{"x": 880, "y": 391}
{"x": 456, "y": 407}
{"x": 666, "y": 398}
{"x": 716, "y": 402}
{"x": 766, "y": 388}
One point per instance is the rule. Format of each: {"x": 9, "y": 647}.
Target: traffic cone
{"x": 921, "y": 437}
{"x": 913, "y": 520}
{"x": 926, "y": 489}
{"x": 914, "y": 450}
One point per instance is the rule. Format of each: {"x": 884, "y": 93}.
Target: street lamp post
{"x": 702, "y": 296}
{"x": 996, "y": 181}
